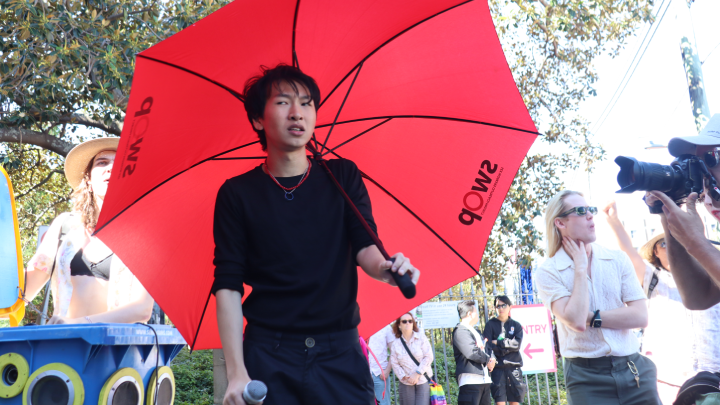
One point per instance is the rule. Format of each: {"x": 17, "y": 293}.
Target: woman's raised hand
{"x": 577, "y": 252}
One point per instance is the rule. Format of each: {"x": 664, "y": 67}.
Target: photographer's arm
{"x": 694, "y": 262}
{"x": 624, "y": 240}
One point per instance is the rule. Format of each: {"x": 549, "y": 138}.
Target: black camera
{"x": 687, "y": 174}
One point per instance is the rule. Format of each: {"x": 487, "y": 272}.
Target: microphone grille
{"x": 256, "y": 390}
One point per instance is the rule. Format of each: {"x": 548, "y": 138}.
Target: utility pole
{"x": 693, "y": 68}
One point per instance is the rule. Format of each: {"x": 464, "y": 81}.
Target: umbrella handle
{"x": 404, "y": 282}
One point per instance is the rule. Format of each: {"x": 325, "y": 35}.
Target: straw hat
{"x": 647, "y": 251}
{"x": 80, "y": 156}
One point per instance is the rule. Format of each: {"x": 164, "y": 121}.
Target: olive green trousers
{"x": 611, "y": 381}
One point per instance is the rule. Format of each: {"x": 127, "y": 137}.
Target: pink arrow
{"x": 528, "y": 352}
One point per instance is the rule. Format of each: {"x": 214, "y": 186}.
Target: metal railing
{"x": 540, "y": 386}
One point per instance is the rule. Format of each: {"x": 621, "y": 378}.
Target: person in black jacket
{"x": 471, "y": 359}
{"x": 505, "y": 337}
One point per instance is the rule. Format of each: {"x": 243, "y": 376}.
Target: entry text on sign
{"x": 534, "y": 329}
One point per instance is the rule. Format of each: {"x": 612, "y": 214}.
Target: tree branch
{"x": 114, "y": 128}
{"x": 49, "y": 142}
{"x": 49, "y": 176}
{"x": 116, "y": 16}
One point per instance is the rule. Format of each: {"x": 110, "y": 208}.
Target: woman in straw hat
{"x": 89, "y": 282}
{"x": 667, "y": 340}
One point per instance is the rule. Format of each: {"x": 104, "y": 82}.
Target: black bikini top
{"x": 81, "y": 266}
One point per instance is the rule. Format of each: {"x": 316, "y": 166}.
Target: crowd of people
{"x": 598, "y": 296}
{"x": 669, "y": 290}
{"x": 487, "y": 364}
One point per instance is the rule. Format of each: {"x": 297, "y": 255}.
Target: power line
{"x": 621, "y": 87}
{"x": 711, "y": 52}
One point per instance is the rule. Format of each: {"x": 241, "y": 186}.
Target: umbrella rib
{"x": 364, "y": 175}
{"x": 356, "y": 136}
{"x": 433, "y": 117}
{"x": 167, "y": 180}
{"x": 197, "y": 332}
{"x": 240, "y": 158}
{"x": 342, "y": 105}
{"x": 419, "y": 219}
{"x": 233, "y": 92}
{"x": 385, "y": 43}
{"x": 295, "y": 61}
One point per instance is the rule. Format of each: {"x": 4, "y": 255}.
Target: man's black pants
{"x": 474, "y": 394}
{"x": 309, "y": 369}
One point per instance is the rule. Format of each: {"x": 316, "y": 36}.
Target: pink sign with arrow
{"x": 537, "y": 347}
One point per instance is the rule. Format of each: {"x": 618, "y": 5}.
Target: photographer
{"x": 694, "y": 261}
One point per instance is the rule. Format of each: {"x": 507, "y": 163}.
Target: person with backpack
{"x": 89, "y": 283}
{"x": 504, "y": 336}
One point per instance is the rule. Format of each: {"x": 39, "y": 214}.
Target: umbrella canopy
{"x": 422, "y": 100}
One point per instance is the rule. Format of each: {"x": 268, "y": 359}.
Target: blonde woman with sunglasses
{"x": 597, "y": 300}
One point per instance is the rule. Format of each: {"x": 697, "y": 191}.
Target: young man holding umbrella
{"x": 284, "y": 229}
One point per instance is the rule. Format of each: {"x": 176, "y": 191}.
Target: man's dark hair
{"x": 258, "y": 89}
{"x": 504, "y": 299}
{"x": 465, "y": 307}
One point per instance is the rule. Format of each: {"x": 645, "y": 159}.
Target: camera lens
{"x": 643, "y": 176}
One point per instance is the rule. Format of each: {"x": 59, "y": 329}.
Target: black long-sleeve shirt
{"x": 504, "y": 351}
{"x": 298, "y": 256}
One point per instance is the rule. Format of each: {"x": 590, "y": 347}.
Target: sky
{"x": 654, "y": 106}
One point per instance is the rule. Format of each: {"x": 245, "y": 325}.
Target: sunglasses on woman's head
{"x": 406, "y": 321}
{"x": 580, "y": 211}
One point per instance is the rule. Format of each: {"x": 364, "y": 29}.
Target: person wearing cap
{"x": 595, "y": 295}
{"x": 666, "y": 313}
{"x": 696, "y": 262}
{"x": 693, "y": 260}
{"x": 89, "y": 282}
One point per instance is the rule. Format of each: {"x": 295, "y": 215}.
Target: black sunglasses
{"x": 580, "y": 211}
{"x": 661, "y": 243}
{"x": 711, "y": 158}
{"x": 406, "y": 321}
{"x": 501, "y": 306}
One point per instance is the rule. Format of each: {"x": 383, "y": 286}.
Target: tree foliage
{"x": 550, "y": 46}
{"x": 68, "y": 64}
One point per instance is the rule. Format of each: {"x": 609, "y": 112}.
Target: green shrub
{"x": 193, "y": 377}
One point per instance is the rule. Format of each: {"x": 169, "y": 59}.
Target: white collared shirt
{"x": 613, "y": 284}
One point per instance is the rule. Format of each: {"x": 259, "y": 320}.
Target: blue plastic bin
{"x": 95, "y": 352}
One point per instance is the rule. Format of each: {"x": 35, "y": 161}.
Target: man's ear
{"x": 257, "y": 125}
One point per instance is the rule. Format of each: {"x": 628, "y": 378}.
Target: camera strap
{"x": 653, "y": 282}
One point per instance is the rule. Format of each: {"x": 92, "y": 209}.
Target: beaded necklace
{"x": 289, "y": 190}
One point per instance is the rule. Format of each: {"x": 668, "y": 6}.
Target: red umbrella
{"x": 422, "y": 100}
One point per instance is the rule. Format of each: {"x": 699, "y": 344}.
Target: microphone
{"x": 254, "y": 392}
